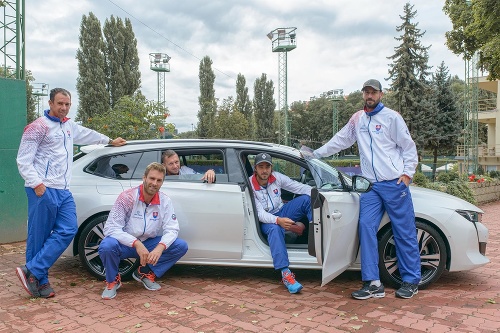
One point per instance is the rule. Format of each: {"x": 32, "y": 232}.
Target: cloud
{"x": 339, "y": 43}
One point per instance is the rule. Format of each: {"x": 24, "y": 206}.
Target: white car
{"x": 219, "y": 220}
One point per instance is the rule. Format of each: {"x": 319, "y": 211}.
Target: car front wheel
{"x": 88, "y": 245}
{"x": 433, "y": 256}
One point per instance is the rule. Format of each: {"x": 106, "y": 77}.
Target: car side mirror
{"x": 360, "y": 184}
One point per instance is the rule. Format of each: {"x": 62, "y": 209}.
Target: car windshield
{"x": 326, "y": 176}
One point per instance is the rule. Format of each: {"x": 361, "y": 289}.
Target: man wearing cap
{"x": 277, "y": 217}
{"x": 388, "y": 158}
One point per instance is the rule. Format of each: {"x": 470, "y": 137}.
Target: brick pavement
{"x": 222, "y": 299}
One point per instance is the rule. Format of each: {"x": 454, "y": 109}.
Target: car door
{"x": 333, "y": 234}
{"x": 211, "y": 216}
{"x": 335, "y": 226}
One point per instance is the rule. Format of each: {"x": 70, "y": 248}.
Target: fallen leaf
{"x": 137, "y": 325}
{"x": 147, "y": 305}
{"x": 172, "y": 313}
{"x": 188, "y": 307}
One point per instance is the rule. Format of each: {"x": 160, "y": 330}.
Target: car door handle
{"x": 336, "y": 215}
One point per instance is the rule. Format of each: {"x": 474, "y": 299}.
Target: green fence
{"x": 13, "y": 202}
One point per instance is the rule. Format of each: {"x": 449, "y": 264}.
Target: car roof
{"x": 134, "y": 145}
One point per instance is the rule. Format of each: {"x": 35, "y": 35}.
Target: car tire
{"x": 433, "y": 255}
{"x": 88, "y": 244}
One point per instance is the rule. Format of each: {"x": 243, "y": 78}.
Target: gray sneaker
{"x": 407, "y": 290}
{"x": 29, "y": 281}
{"x": 111, "y": 288}
{"x": 46, "y": 291}
{"x": 369, "y": 291}
{"x": 147, "y": 279}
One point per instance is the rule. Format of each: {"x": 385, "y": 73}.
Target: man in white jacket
{"x": 142, "y": 224}
{"x": 277, "y": 217}
{"x": 388, "y": 158}
{"x": 44, "y": 161}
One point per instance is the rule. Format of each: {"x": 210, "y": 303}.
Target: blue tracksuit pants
{"x": 111, "y": 252}
{"x": 51, "y": 228}
{"x": 295, "y": 209}
{"x": 396, "y": 200}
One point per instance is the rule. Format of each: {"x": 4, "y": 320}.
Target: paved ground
{"x": 215, "y": 299}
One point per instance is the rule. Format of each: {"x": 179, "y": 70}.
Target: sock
{"x": 284, "y": 270}
{"x": 375, "y": 283}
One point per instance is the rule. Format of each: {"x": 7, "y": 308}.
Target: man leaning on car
{"x": 138, "y": 216}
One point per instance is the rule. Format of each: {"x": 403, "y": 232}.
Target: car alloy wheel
{"x": 433, "y": 255}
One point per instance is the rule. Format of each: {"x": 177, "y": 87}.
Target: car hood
{"x": 441, "y": 199}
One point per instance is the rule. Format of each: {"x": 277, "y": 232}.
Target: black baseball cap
{"x": 375, "y": 84}
{"x": 263, "y": 157}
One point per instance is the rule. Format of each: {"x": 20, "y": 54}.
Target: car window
{"x": 195, "y": 163}
{"x": 114, "y": 166}
{"x": 286, "y": 167}
{"x": 146, "y": 158}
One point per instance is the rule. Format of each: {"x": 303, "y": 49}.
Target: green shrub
{"x": 444, "y": 177}
{"x": 462, "y": 190}
{"x": 420, "y": 179}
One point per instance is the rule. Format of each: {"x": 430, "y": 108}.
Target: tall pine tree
{"x": 91, "y": 80}
{"x": 264, "y": 107}
{"x": 243, "y": 103}
{"x": 448, "y": 119}
{"x": 206, "y": 100}
{"x": 409, "y": 72}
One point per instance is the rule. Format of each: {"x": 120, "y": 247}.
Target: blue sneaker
{"x": 290, "y": 282}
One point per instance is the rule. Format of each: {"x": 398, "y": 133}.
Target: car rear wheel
{"x": 433, "y": 256}
{"x": 88, "y": 244}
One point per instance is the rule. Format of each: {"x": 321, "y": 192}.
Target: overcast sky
{"x": 340, "y": 43}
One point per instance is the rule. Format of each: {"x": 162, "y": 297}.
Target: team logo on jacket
{"x": 276, "y": 192}
{"x": 378, "y": 127}
{"x": 69, "y": 134}
{"x": 155, "y": 215}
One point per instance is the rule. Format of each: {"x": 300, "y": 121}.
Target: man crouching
{"x": 138, "y": 216}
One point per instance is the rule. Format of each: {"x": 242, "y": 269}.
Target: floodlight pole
{"x": 283, "y": 41}
{"x": 158, "y": 62}
{"x": 40, "y": 90}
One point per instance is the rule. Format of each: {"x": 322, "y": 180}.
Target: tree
{"x": 409, "y": 72}
{"x": 243, "y": 103}
{"x": 230, "y": 123}
{"x": 122, "y": 60}
{"x": 91, "y": 80}
{"x": 264, "y": 107}
{"x": 446, "y": 122}
{"x": 133, "y": 118}
{"x": 476, "y": 28}
{"x": 206, "y": 100}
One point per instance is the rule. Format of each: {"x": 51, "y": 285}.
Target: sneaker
{"x": 290, "y": 282}
{"x": 407, "y": 290}
{"x": 369, "y": 291}
{"x": 111, "y": 288}
{"x": 29, "y": 281}
{"x": 46, "y": 291}
{"x": 147, "y": 279}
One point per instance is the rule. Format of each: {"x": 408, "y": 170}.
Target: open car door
{"x": 333, "y": 233}
{"x": 335, "y": 230}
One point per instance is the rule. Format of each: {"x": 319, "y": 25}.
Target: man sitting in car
{"x": 171, "y": 161}
{"x": 277, "y": 217}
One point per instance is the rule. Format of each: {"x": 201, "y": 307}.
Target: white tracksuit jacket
{"x": 386, "y": 148}
{"x": 268, "y": 199}
{"x": 131, "y": 219}
{"x": 45, "y": 154}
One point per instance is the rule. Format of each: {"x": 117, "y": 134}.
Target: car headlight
{"x": 470, "y": 215}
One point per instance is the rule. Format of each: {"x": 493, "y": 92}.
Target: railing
{"x": 487, "y": 105}
{"x": 482, "y": 151}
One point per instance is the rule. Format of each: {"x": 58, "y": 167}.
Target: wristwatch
{"x": 110, "y": 141}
